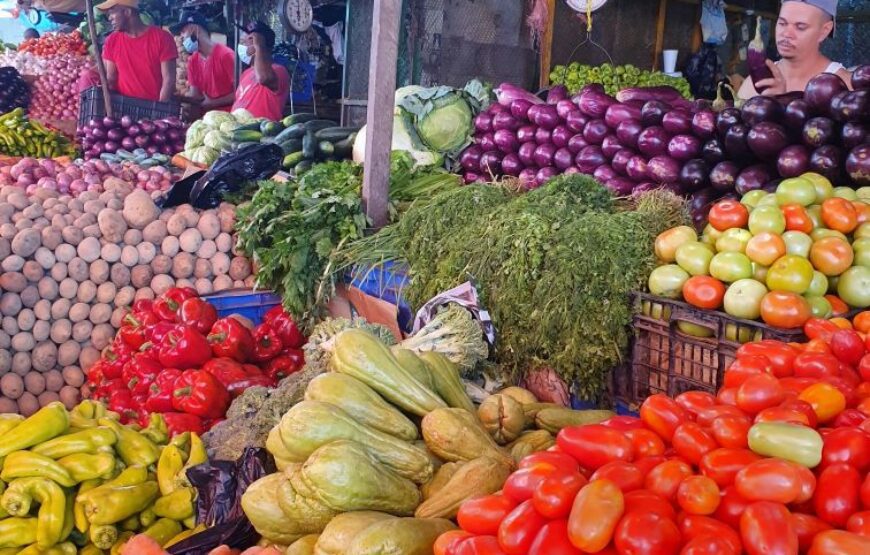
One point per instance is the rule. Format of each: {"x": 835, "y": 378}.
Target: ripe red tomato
{"x": 802, "y": 407}
{"x": 662, "y": 415}
{"x": 648, "y": 533}
{"x": 447, "y": 542}
{"x": 522, "y": 484}
{"x": 481, "y": 516}
{"x": 849, "y": 418}
{"x": 623, "y": 423}
{"x": 597, "y": 510}
{"x": 646, "y": 464}
{"x": 782, "y": 414}
{"x": 745, "y": 366}
{"x": 759, "y": 392}
{"x": 625, "y": 475}
{"x": 865, "y": 493}
{"x": 554, "y": 496}
{"x": 722, "y": 465}
{"x": 562, "y": 461}
{"x": 698, "y": 495}
{"x": 693, "y": 401}
{"x": 859, "y": 523}
{"x": 837, "y": 494}
{"x": 847, "y": 445}
{"x": 707, "y": 416}
{"x": 839, "y": 542}
{"x": 666, "y": 477}
{"x": 769, "y": 480}
{"x": 646, "y": 501}
{"x": 847, "y": 346}
{"x": 781, "y": 355}
{"x": 731, "y": 507}
{"x": 807, "y": 526}
{"x": 479, "y": 545}
{"x": 819, "y": 328}
{"x": 816, "y": 365}
{"x": 839, "y": 214}
{"x": 519, "y": 529}
{"x": 594, "y": 445}
{"x": 697, "y": 526}
{"x": 727, "y": 396}
{"x": 731, "y": 431}
{"x": 646, "y": 443}
{"x": 784, "y": 309}
{"x": 692, "y": 442}
{"x": 727, "y": 214}
{"x": 704, "y": 292}
{"x": 553, "y": 540}
{"x": 708, "y": 545}
{"x": 864, "y": 367}
{"x": 767, "y": 527}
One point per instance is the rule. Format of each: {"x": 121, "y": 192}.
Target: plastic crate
{"x": 665, "y": 359}
{"x": 253, "y": 305}
{"x": 91, "y": 106}
{"x": 386, "y": 282}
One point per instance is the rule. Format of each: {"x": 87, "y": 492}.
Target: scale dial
{"x": 297, "y": 14}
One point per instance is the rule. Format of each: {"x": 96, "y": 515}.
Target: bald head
{"x": 800, "y": 29}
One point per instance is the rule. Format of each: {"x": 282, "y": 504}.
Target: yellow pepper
{"x": 103, "y": 536}
{"x": 24, "y": 464}
{"x": 133, "y": 447}
{"x": 65, "y": 548}
{"x": 86, "y": 441}
{"x": 198, "y": 455}
{"x": 48, "y": 422}
{"x": 81, "y": 521}
{"x": 18, "y": 497}
{"x": 147, "y": 517}
{"x": 130, "y": 476}
{"x": 163, "y": 530}
{"x": 177, "y": 505}
{"x": 129, "y": 524}
{"x": 170, "y": 464}
{"x": 85, "y": 466}
{"x": 90, "y": 549}
{"x": 9, "y": 550}
{"x": 183, "y": 535}
{"x": 156, "y": 430}
{"x": 17, "y": 532}
{"x": 9, "y": 421}
{"x": 122, "y": 539}
{"x": 189, "y": 522}
{"x": 109, "y": 504}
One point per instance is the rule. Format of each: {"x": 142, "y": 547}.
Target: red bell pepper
{"x": 180, "y": 422}
{"x": 160, "y": 393}
{"x": 237, "y": 388}
{"x": 229, "y": 338}
{"x": 252, "y": 370}
{"x": 166, "y": 306}
{"x": 226, "y": 370}
{"x": 278, "y": 319}
{"x": 142, "y": 306}
{"x": 122, "y": 402}
{"x": 134, "y": 328}
{"x": 183, "y": 348}
{"x": 288, "y": 362}
{"x": 267, "y": 343}
{"x": 114, "y": 361}
{"x": 107, "y": 387}
{"x": 198, "y": 392}
{"x": 140, "y": 372}
{"x": 197, "y": 313}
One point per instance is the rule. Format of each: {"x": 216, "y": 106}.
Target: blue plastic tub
{"x": 386, "y": 282}
{"x": 253, "y": 305}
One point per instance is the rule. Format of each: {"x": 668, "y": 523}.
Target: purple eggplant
{"x": 526, "y": 133}
{"x": 557, "y": 93}
{"x": 595, "y": 131}
{"x": 620, "y": 186}
{"x": 713, "y": 152}
{"x": 662, "y": 93}
{"x": 547, "y": 117}
{"x": 684, "y": 147}
{"x": 637, "y": 168}
{"x": 627, "y": 133}
{"x": 544, "y": 155}
{"x": 483, "y": 123}
{"x": 603, "y": 173}
{"x": 577, "y": 143}
{"x": 703, "y": 198}
{"x": 735, "y": 141}
{"x": 818, "y": 132}
{"x": 820, "y": 91}
{"x": 828, "y": 161}
{"x": 618, "y": 113}
{"x": 853, "y": 134}
{"x": 507, "y": 93}
{"x": 653, "y": 141}
{"x": 526, "y": 153}
{"x": 663, "y": 169}
{"x": 652, "y": 112}
{"x": 588, "y": 159}
{"x": 796, "y": 114}
{"x": 620, "y": 160}
{"x": 545, "y": 174}
{"x": 490, "y": 163}
{"x": 560, "y": 136}
{"x": 610, "y": 146}
{"x": 506, "y": 140}
{"x": 761, "y": 108}
{"x": 576, "y": 121}
{"x": 695, "y": 174}
{"x": 487, "y": 142}
{"x": 785, "y": 99}
{"x": 565, "y": 107}
{"x": 861, "y": 78}
{"x": 858, "y": 165}
{"x": 563, "y": 158}
{"x": 724, "y": 175}
{"x": 725, "y": 119}
{"x": 677, "y": 122}
{"x": 756, "y": 58}
{"x": 470, "y": 158}
{"x": 854, "y": 106}
{"x": 793, "y": 160}
{"x": 543, "y": 136}
{"x": 511, "y": 164}
{"x": 704, "y": 124}
{"x": 594, "y": 104}
{"x": 752, "y": 178}
{"x": 520, "y": 108}
{"x": 766, "y": 139}
{"x": 588, "y": 87}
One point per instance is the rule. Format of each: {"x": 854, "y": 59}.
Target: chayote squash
{"x": 309, "y": 425}
{"x": 502, "y": 417}
{"x": 476, "y": 478}
{"x": 401, "y": 536}
{"x": 303, "y": 546}
{"x": 361, "y": 355}
{"x": 440, "y": 479}
{"x": 519, "y": 394}
{"x": 345, "y": 476}
{"x": 554, "y": 419}
{"x": 531, "y": 442}
{"x": 415, "y": 365}
{"x": 260, "y": 503}
{"x": 309, "y": 513}
{"x": 457, "y": 435}
{"x": 362, "y": 403}
{"x": 275, "y": 446}
{"x": 448, "y": 384}
{"x": 341, "y": 530}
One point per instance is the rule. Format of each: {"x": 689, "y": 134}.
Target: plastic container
{"x": 253, "y": 305}
{"x": 386, "y": 282}
{"x": 91, "y": 106}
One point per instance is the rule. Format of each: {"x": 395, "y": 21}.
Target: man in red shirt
{"x": 140, "y": 58}
{"x": 211, "y": 67}
{"x": 263, "y": 87}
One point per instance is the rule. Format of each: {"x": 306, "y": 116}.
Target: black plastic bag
{"x": 219, "y": 486}
{"x": 703, "y": 72}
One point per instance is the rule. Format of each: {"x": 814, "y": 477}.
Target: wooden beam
{"x": 660, "y": 34}
{"x": 546, "y": 59}
{"x": 101, "y": 67}
{"x": 379, "y": 116}
{"x": 697, "y": 35}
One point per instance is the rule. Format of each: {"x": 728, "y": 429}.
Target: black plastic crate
{"x": 91, "y": 106}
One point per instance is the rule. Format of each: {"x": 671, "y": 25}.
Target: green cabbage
{"x": 217, "y": 140}
{"x": 229, "y": 127}
{"x": 404, "y": 139}
{"x": 243, "y": 116}
{"x": 216, "y": 118}
{"x": 195, "y": 135}
{"x": 203, "y": 155}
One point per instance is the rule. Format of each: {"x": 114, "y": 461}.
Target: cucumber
{"x": 255, "y": 126}
{"x": 290, "y": 145}
{"x": 240, "y": 146}
{"x": 334, "y": 134}
{"x": 291, "y": 160}
{"x": 295, "y": 131}
{"x": 270, "y": 128}
{"x": 300, "y": 117}
{"x": 309, "y": 145}
{"x": 246, "y": 136}
{"x": 302, "y": 167}
{"x": 318, "y": 124}
{"x": 343, "y": 149}
{"x": 325, "y": 148}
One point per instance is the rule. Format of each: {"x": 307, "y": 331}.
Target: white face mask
{"x": 242, "y": 51}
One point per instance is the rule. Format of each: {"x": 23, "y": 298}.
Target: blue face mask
{"x": 242, "y": 51}
{"x": 190, "y": 45}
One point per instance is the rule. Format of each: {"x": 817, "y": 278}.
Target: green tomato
{"x": 862, "y": 231}
{"x": 815, "y": 214}
{"x": 824, "y": 189}
{"x": 733, "y": 240}
{"x": 766, "y": 218}
{"x": 759, "y": 272}
{"x": 710, "y": 235}
{"x": 797, "y": 243}
{"x": 819, "y": 306}
{"x": 861, "y": 243}
{"x": 667, "y": 281}
{"x": 769, "y": 199}
{"x": 863, "y": 193}
{"x": 730, "y": 266}
{"x": 796, "y": 190}
{"x": 854, "y": 286}
{"x": 695, "y": 257}
{"x": 694, "y": 330}
{"x": 752, "y": 198}
{"x": 818, "y": 286}
{"x": 862, "y": 258}
{"x": 790, "y": 273}
{"x": 743, "y": 299}
{"x": 845, "y": 192}
{"x": 821, "y": 233}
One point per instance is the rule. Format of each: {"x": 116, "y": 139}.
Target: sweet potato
{"x": 99, "y": 271}
{"x": 87, "y": 291}
{"x": 10, "y": 304}
{"x": 26, "y": 242}
{"x": 78, "y": 269}
{"x": 60, "y": 308}
{"x": 45, "y": 258}
{"x": 129, "y": 256}
{"x": 140, "y": 276}
{"x": 110, "y": 252}
{"x": 120, "y": 274}
{"x": 89, "y": 249}
{"x": 41, "y": 330}
{"x": 139, "y": 210}
{"x": 12, "y": 263}
{"x": 161, "y": 283}
{"x": 102, "y": 335}
{"x": 81, "y": 330}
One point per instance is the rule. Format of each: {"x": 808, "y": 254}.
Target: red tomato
{"x": 662, "y": 415}
{"x": 596, "y": 512}
{"x": 624, "y": 423}
{"x": 646, "y": 443}
{"x": 692, "y": 442}
{"x": 859, "y": 523}
{"x": 744, "y": 367}
{"x": 808, "y": 484}
{"x": 839, "y": 214}
{"x": 816, "y": 365}
{"x": 827, "y": 401}
{"x": 807, "y": 526}
{"x": 727, "y": 214}
{"x": 802, "y": 407}
{"x": 562, "y": 461}
{"x": 819, "y": 328}
{"x": 837, "y": 494}
{"x": 595, "y": 445}
{"x": 758, "y": 393}
{"x": 554, "y": 496}
{"x": 781, "y": 355}
{"x": 849, "y": 418}
{"x": 795, "y": 386}
{"x": 625, "y": 475}
{"x": 782, "y": 414}
{"x": 727, "y": 396}
{"x": 697, "y": 526}
{"x": 644, "y": 500}
{"x": 767, "y": 528}
{"x": 708, "y": 545}
{"x": 817, "y": 346}
{"x": 522, "y": 484}
{"x": 698, "y": 495}
{"x": 864, "y": 367}
{"x": 693, "y": 401}
{"x": 707, "y": 416}
{"x": 838, "y": 542}
{"x": 447, "y": 542}
{"x": 847, "y": 445}
{"x": 722, "y": 465}
{"x": 481, "y": 516}
{"x": 731, "y": 431}
{"x": 731, "y": 507}
{"x": 847, "y": 346}
{"x": 519, "y": 529}
{"x": 704, "y": 292}
{"x": 865, "y": 492}
{"x": 666, "y": 477}
{"x": 645, "y": 464}
{"x": 553, "y": 540}
{"x": 479, "y": 545}
{"x": 769, "y": 480}
{"x": 647, "y": 533}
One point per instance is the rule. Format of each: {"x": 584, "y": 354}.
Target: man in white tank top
{"x": 800, "y": 29}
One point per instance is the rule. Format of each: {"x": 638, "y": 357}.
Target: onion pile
{"x": 33, "y": 174}
{"x": 165, "y": 136}
{"x": 56, "y": 93}
{"x": 25, "y": 62}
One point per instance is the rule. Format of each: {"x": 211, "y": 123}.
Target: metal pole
{"x": 101, "y": 67}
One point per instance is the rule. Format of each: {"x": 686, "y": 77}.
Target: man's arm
{"x": 846, "y": 76}
{"x": 167, "y": 70}
{"x": 211, "y": 103}
{"x": 111, "y": 75}
{"x": 263, "y": 70}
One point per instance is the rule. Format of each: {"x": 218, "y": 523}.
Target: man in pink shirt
{"x": 264, "y": 86}
{"x": 211, "y": 67}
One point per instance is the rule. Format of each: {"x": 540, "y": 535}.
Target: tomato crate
{"x": 678, "y": 347}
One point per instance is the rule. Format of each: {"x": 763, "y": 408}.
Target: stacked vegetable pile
{"x": 25, "y": 62}
{"x": 181, "y": 85}
{"x": 13, "y": 90}
{"x": 108, "y": 135}
{"x": 575, "y": 76}
{"x": 206, "y": 138}
{"x": 56, "y": 93}
{"x": 72, "y": 266}
{"x": 55, "y": 44}
{"x": 174, "y": 357}
{"x": 776, "y": 463}
{"x": 23, "y": 136}
{"x": 782, "y": 256}
{"x": 90, "y": 476}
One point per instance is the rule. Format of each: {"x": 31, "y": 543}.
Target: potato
{"x": 120, "y": 274}
{"x": 29, "y": 296}
{"x": 220, "y": 264}
{"x": 72, "y": 375}
{"x": 5, "y": 340}
{"x": 202, "y": 268}
{"x": 81, "y": 331}
{"x": 118, "y": 186}
{"x": 95, "y": 207}
{"x": 54, "y": 380}
{"x": 207, "y": 249}
{"x": 140, "y": 276}
{"x": 59, "y": 272}
{"x": 227, "y": 217}
{"x": 118, "y": 316}
{"x": 60, "y": 308}
{"x": 161, "y": 264}
{"x": 99, "y": 271}
{"x": 26, "y": 242}
{"x": 161, "y": 283}
{"x": 64, "y": 253}
{"x": 41, "y": 330}
{"x": 139, "y": 210}
{"x": 79, "y": 312}
{"x": 12, "y": 386}
{"x": 10, "y": 304}
{"x": 170, "y": 246}
{"x": 100, "y": 313}
{"x": 47, "y": 397}
{"x": 58, "y": 222}
{"x": 39, "y": 224}
{"x": 110, "y": 252}
{"x": 209, "y": 224}
{"x": 112, "y": 225}
{"x": 33, "y": 211}
{"x": 26, "y": 319}
{"x": 78, "y": 269}
{"x": 68, "y": 288}
{"x": 144, "y": 293}
{"x": 84, "y": 221}
{"x": 166, "y": 214}
{"x": 129, "y": 256}
{"x": 42, "y": 309}
{"x": 155, "y": 232}
{"x": 10, "y": 325}
{"x": 33, "y": 270}
{"x": 133, "y": 237}
{"x": 6, "y": 210}
{"x": 89, "y": 249}
{"x": 70, "y": 396}
{"x": 88, "y": 357}
{"x": 72, "y": 235}
{"x": 13, "y": 281}
{"x": 45, "y": 258}
{"x": 182, "y": 265}
{"x": 69, "y": 219}
{"x": 5, "y": 361}
{"x": 102, "y": 335}
{"x": 125, "y": 296}
{"x": 22, "y": 223}
{"x": 191, "y": 217}
{"x": 12, "y": 263}
{"x": 106, "y": 292}
{"x": 87, "y": 291}
{"x": 23, "y": 341}
{"x": 92, "y": 231}
{"x": 222, "y": 282}
{"x": 61, "y": 331}
{"x": 147, "y": 252}
{"x": 176, "y": 224}
{"x": 8, "y": 406}
{"x": 21, "y": 363}
{"x": 8, "y": 231}
{"x": 115, "y": 204}
{"x": 27, "y": 404}
{"x": 18, "y": 200}
{"x": 34, "y": 382}
{"x": 5, "y": 248}
{"x": 190, "y": 240}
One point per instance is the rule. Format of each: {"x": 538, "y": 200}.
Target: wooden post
{"x": 547, "y": 45}
{"x": 379, "y": 116}
{"x": 101, "y": 67}
{"x": 660, "y": 33}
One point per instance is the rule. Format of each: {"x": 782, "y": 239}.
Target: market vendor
{"x": 211, "y": 67}
{"x": 801, "y": 28}
{"x": 264, "y": 86}
{"x": 140, "y": 58}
